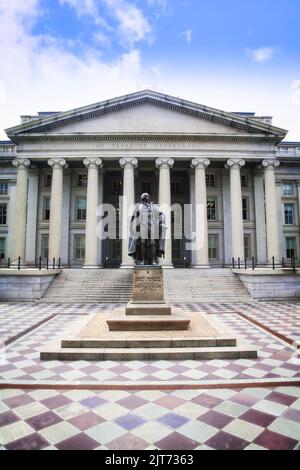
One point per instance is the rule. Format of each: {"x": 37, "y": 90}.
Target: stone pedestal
{"x": 147, "y": 310}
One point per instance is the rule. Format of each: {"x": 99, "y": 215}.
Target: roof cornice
{"x": 50, "y": 123}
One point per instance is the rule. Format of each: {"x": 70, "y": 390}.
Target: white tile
{"x": 199, "y": 432}
{"x": 225, "y": 373}
{"x": 190, "y": 410}
{"x": 78, "y": 395}
{"x": 10, "y": 393}
{"x": 70, "y": 410}
{"x": 110, "y": 411}
{"x": 113, "y": 395}
{"x": 222, "y": 393}
{"x": 243, "y": 429}
{"x": 42, "y": 394}
{"x": 258, "y": 392}
{"x": 187, "y": 394}
{"x": 106, "y": 432}
{"x": 150, "y": 395}
{"x": 286, "y": 427}
{"x": 150, "y": 411}
{"x": 151, "y": 432}
{"x": 292, "y": 391}
{"x": 31, "y": 409}
{"x": 14, "y": 431}
{"x": 284, "y": 372}
{"x": 59, "y": 432}
{"x": 270, "y": 407}
{"x": 231, "y": 409}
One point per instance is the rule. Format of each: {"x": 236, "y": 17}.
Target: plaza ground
{"x": 213, "y": 404}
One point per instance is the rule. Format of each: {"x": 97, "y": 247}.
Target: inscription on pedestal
{"x": 148, "y": 285}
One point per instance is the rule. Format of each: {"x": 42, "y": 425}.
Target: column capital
{"x": 93, "y": 162}
{"x": 21, "y": 163}
{"x": 128, "y": 162}
{"x": 270, "y": 164}
{"x": 200, "y": 162}
{"x": 57, "y": 163}
{"x": 235, "y": 162}
{"x": 164, "y": 162}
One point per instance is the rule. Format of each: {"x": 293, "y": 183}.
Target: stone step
{"x": 158, "y": 308}
{"x": 183, "y": 342}
{"x": 148, "y": 323}
{"x": 148, "y": 354}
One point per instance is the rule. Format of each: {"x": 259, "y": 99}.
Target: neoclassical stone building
{"x": 237, "y": 182}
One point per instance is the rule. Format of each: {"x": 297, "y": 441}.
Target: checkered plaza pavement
{"x": 212, "y": 404}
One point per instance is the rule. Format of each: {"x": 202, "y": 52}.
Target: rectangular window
{"x": 46, "y": 208}
{"x": 146, "y": 187}
{"x": 290, "y": 247}
{"x": 245, "y": 202}
{"x": 3, "y": 189}
{"x": 289, "y": 217}
{"x": 175, "y": 187}
{"x": 48, "y": 180}
{"x": 244, "y": 181}
{"x": 176, "y": 249}
{"x": 80, "y": 208}
{"x": 247, "y": 246}
{"x": 211, "y": 209}
{"x": 79, "y": 247}
{"x": 117, "y": 187}
{"x": 2, "y": 248}
{"x": 287, "y": 189}
{"x": 116, "y": 248}
{"x": 213, "y": 242}
{"x": 82, "y": 179}
{"x": 45, "y": 246}
{"x": 210, "y": 179}
{"x": 3, "y": 214}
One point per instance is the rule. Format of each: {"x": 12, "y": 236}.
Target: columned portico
{"x": 237, "y": 229}
{"x": 164, "y": 198}
{"x": 55, "y": 227}
{"x": 201, "y": 242}
{"x": 273, "y": 241}
{"x": 19, "y": 246}
{"x": 128, "y": 164}
{"x": 91, "y": 242}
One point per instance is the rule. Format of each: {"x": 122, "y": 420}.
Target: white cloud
{"x": 296, "y": 92}
{"x": 38, "y": 73}
{"x": 133, "y": 27}
{"x": 261, "y": 54}
{"x": 85, "y": 7}
{"x": 188, "y": 35}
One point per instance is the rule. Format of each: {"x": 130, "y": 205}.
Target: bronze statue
{"x": 147, "y": 232}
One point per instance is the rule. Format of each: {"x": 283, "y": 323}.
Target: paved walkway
{"x": 238, "y": 404}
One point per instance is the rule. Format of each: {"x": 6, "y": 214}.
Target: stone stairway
{"x": 115, "y": 286}
{"x": 90, "y": 286}
{"x": 204, "y": 285}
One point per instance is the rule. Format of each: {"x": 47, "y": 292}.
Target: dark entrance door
{"x": 112, "y": 247}
{"x": 179, "y": 196}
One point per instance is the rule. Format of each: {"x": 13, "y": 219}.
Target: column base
{"x": 126, "y": 266}
{"x": 167, "y": 266}
{"x": 92, "y": 266}
{"x": 200, "y": 266}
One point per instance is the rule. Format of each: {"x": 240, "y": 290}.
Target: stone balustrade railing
{"x": 288, "y": 150}
{"x": 7, "y": 150}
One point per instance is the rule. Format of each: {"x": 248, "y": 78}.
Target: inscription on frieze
{"x": 148, "y": 285}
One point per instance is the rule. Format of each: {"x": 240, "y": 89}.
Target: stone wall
{"x": 266, "y": 284}
{"x": 24, "y": 285}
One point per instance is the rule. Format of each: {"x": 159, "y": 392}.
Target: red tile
{"x": 281, "y": 398}
{"x": 127, "y": 442}
{"x": 176, "y": 441}
{"x": 31, "y": 442}
{"x": 86, "y": 420}
{"x": 274, "y": 441}
{"x": 225, "y": 441}
{"x": 43, "y": 420}
{"x": 79, "y": 442}
{"x": 258, "y": 417}
{"x": 206, "y": 400}
{"x": 215, "y": 419}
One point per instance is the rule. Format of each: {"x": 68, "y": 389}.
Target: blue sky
{"x": 229, "y": 54}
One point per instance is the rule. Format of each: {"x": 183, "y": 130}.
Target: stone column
{"x": 33, "y": 189}
{"x": 201, "y": 248}
{"x": 19, "y": 246}
{"x": 128, "y": 164}
{"x": 273, "y": 242}
{"x": 164, "y": 197}
{"x": 227, "y": 220}
{"x": 237, "y": 229}
{"x": 260, "y": 223}
{"x": 55, "y": 225}
{"x": 91, "y": 242}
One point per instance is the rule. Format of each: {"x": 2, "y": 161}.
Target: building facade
{"x": 236, "y": 182}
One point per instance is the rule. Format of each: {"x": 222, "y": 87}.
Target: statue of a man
{"x": 146, "y": 232}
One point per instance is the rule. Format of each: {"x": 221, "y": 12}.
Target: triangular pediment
{"x": 144, "y": 112}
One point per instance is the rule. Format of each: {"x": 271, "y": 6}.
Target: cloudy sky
{"x": 229, "y": 54}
